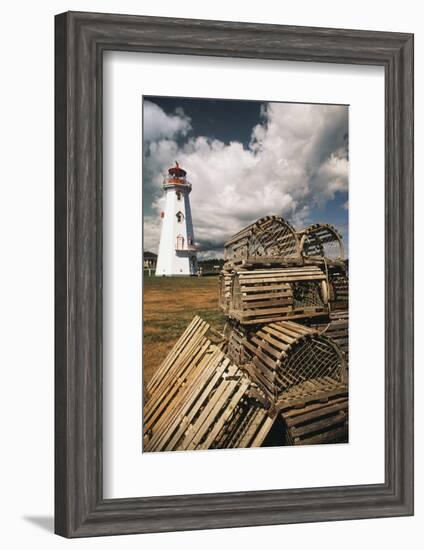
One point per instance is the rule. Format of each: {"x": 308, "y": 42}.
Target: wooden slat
{"x": 255, "y": 289}
{"x": 322, "y": 411}
{"x": 279, "y": 293}
{"x": 321, "y": 425}
{"x": 332, "y": 436}
{"x": 225, "y": 414}
{"x": 278, "y": 317}
{"x": 263, "y": 432}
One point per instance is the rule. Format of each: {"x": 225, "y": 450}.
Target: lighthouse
{"x": 177, "y": 252}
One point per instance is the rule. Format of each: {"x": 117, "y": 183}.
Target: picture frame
{"x": 80, "y": 41}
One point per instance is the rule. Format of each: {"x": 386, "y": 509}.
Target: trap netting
{"x": 315, "y": 357}
{"x": 308, "y": 294}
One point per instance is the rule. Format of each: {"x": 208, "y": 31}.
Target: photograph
{"x": 245, "y": 273}
{"x": 208, "y": 291}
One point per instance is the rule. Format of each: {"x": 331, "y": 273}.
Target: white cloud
{"x": 158, "y": 125}
{"x": 297, "y": 159}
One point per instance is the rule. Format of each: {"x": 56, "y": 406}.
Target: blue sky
{"x": 246, "y": 159}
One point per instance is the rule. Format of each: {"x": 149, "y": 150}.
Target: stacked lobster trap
{"x": 278, "y": 373}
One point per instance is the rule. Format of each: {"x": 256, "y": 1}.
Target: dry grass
{"x": 170, "y": 303}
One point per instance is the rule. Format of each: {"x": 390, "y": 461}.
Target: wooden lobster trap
{"x": 315, "y": 412}
{"x": 278, "y": 356}
{"x": 321, "y": 241}
{"x": 262, "y": 296}
{"x": 268, "y": 239}
{"x": 267, "y": 380}
{"x": 199, "y": 399}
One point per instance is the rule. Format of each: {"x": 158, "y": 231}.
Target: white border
{"x": 127, "y": 471}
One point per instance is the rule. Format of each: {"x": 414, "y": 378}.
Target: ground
{"x": 170, "y": 303}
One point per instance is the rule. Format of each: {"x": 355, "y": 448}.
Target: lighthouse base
{"x": 177, "y": 265}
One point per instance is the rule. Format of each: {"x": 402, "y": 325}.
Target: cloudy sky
{"x": 245, "y": 159}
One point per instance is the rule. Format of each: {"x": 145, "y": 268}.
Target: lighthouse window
{"x": 180, "y": 217}
{"x": 178, "y": 195}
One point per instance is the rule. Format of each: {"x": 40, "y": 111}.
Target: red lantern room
{"x": 176, "y": 171}
{"x": 176, "y": 178}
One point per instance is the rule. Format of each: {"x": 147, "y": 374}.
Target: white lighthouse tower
{"x": 177, "y": 252}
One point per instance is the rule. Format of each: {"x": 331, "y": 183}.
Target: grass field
{"x": 170, "y": 303}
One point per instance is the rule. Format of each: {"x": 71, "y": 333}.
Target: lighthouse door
{"x": 180, "y": 242}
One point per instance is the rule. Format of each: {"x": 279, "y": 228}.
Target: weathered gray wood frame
{"x": 81, "y": 39}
